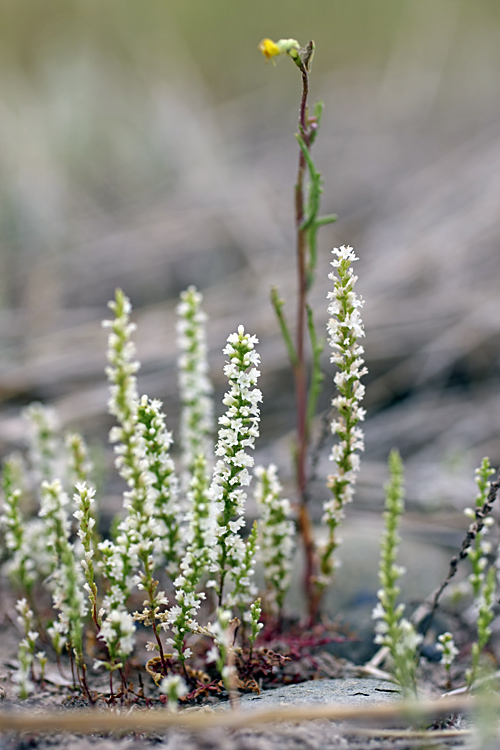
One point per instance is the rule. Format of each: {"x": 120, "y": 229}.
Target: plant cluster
{"x": 180, "y": 560}
{"x": 190, "y": 537}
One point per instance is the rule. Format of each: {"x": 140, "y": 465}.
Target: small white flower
{"x": 448, "y": 649}
{"x": 378, "y": 612}
{"x": 212, "y": 655}
{"x": 118, "y": 633}
{"x": 173, "y": 685}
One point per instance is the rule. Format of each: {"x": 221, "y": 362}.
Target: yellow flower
{"x": 289, "y": 47}
{"x": 269, "y": 49}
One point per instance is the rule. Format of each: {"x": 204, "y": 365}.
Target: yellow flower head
{"x": 272, "y": 49}
{"x": 269, "y": 49}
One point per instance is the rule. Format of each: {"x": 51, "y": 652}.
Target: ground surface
{"x": 307, "y": 735}
{"x": 349, "y": 604}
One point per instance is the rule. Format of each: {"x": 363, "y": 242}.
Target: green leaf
{"x": 317, "y": 375}
{"x": 278, "y": 303}
{"x": 318, "y": 114}
{"x": 328, "y": 219}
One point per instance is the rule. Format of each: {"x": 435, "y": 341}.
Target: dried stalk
{"x": 199, "y": 720}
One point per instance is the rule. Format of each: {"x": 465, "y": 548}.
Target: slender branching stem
{"x": 299, "y": 365}
{"x": 428, "y": 610}
{"x": 307, "y": 222}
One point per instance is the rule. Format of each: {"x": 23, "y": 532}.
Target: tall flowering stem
{"x": 26, "y": 651}
{"x": 307, "y": 222}
{"x": 118, "y": 634}
{"x": 485, "y": 614}
{"x": 66, "y": 581}
{"x": 13, "y": 523}
{"x": 194, "y": 385}
{"x": 123, "y": 400}
{"x": 239, "y": 427}
{"x": 199, "y": 531}
{"x": 196, "y": 558}
{"x": 480, "y": 549}
{"x": 45, "y": 443}
{"x": 117, "y": 562}
{"x": 483, "y": 576}
{"x": 181, "y": 617}
{"x": 84, "y": 499}
{"x": 152, "y": 523}
{"x": 142, "y": 445}
{"x": 345, "y": 328}
{"x": 163, "y": 489}
{"x": 244, "y": 588}
{"x": 255, "y": 625}
{"x": 392, "y": 629}
{"x": 449, "y": 651}
{"x": 277, "y": 533}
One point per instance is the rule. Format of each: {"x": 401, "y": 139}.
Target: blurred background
{"x": 147, "y": 145}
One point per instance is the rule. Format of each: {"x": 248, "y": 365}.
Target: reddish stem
{"x": 83, "y": 680}
{"x": 304, "y": 520}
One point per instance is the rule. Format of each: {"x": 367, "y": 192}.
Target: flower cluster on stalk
{"x": 478, "y": 552}
{"x": 66, "y": 580}
{"x": 80, "y": 466}
{"x": 255, "y": 624}
{"x": 449, "y": 651}
{"x": 180, "y": 618}
{"x": 118, "y": 633}
{"x": 483, "y": 577}
{"x": 392, "y": 629}
{"x": 222, "y": 632}
{"x": 45, "y": 447}
{"x": 26, "y": 651}
{"x": 345, "y": 328}
{"x": 84, "y": 499}
{"x": 199, "y": 536}
{"x": 277, "y": 532}
{"x": 162, "y": 490}
{"x": 199, "y": 532}
{"x": 149, "y": 534}
{"x": 239, "y": 427}
{"x": 174, "y": 688}
{"x": 18, "y": 531}
{"x": 244, "y": 589}
{"x": 195, "y": 388}
{"x": 118, "y": 559}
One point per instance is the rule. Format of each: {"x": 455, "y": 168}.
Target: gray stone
{"x": 342, "y": 692}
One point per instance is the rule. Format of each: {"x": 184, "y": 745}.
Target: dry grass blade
{"x": 88, "y": 722}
